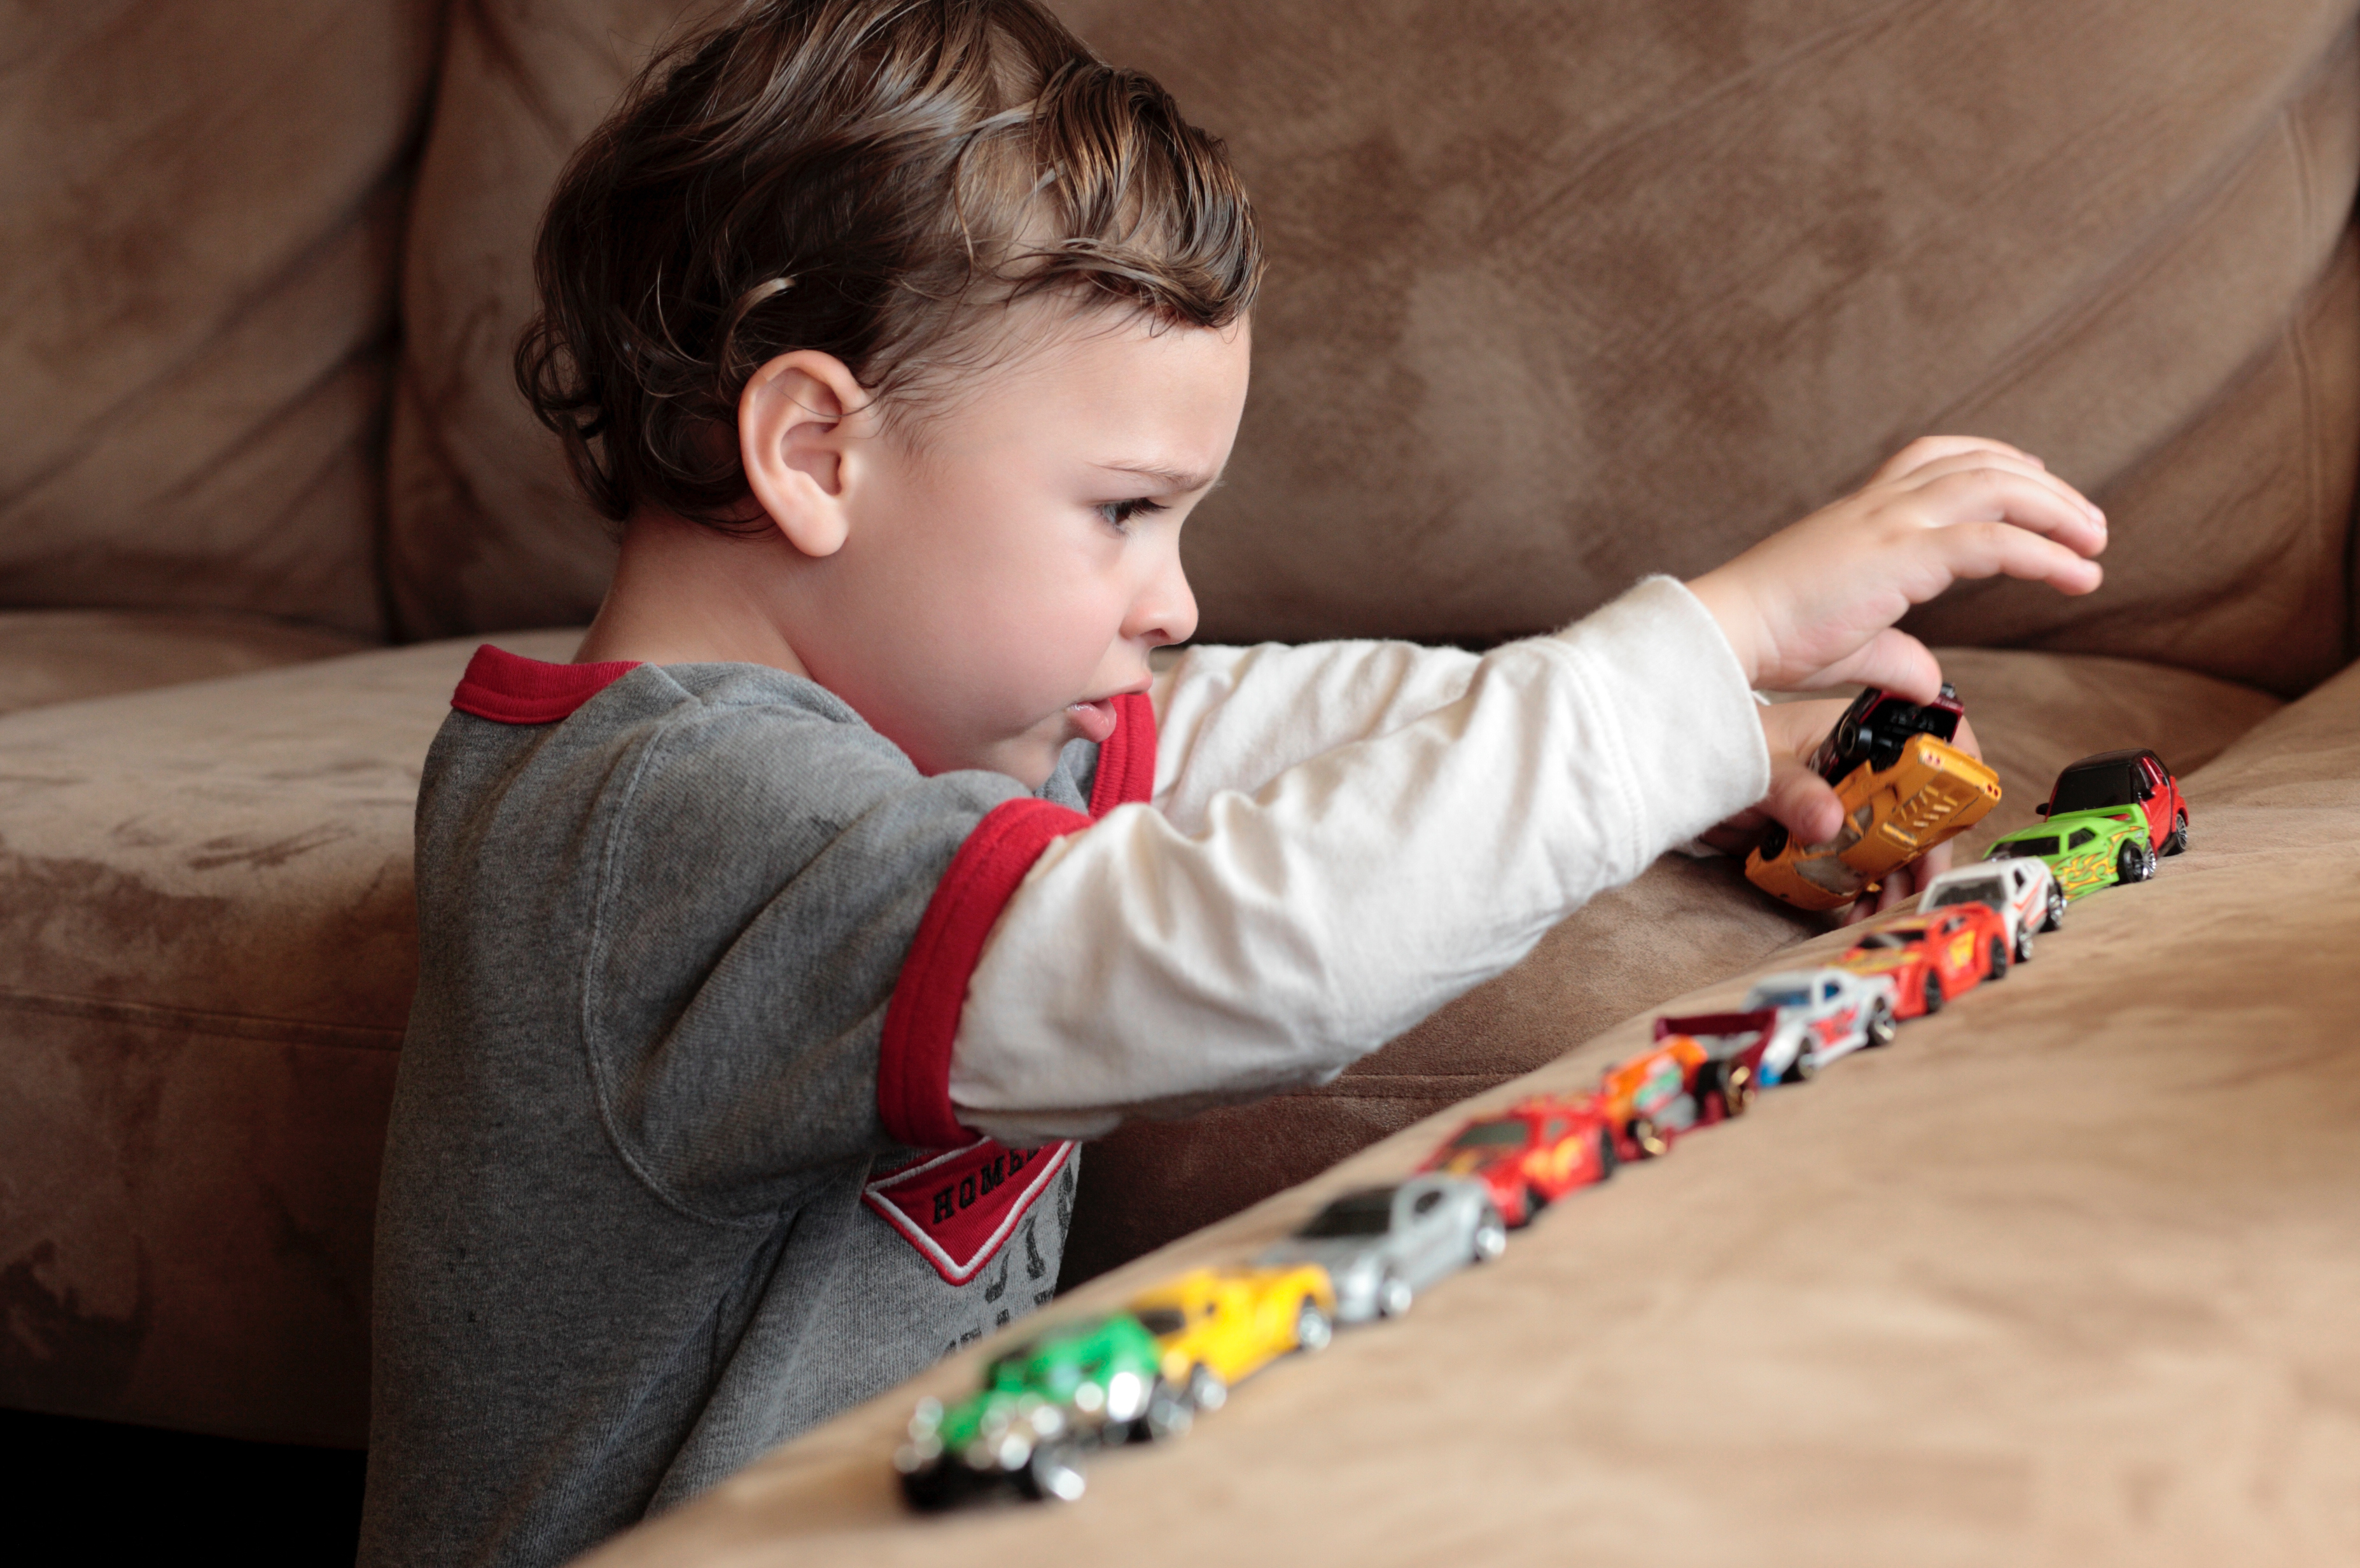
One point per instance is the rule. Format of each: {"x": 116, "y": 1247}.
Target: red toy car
{"x": 1934, "y": 957}
{"x": 2115, "y": 779}
{"x": 1532, "y": 1153}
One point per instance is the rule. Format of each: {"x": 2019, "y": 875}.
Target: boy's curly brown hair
{"x": 864, "y": 178}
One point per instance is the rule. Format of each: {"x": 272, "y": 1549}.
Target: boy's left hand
{"x": 1806, "y": 803}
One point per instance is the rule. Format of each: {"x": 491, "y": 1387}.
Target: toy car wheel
{"x": 1490, "y": 1237}
{"x": 2023, "y": 943}
{"x": 1535, "y": 1202}
{"x": 1207, "y": 1391}
{"x": 1883, "y": 1027}
{"x": 1998, "y": 969}
{"x": 1051, "y": 1475}
{"x": 1393, "y": 1296}
{"x": 2056, "y": 915}
{"x": 1933, "y": 993}
{"x": 1608, "y": 1158}
{"x": 1313, "y": 1329}
{"x": 2176, "y": 840}
{"x": 1733, "y": 1087}
{"x": 1647, "y": 1138}
{"x": 1773, "y": 841}
{"x": 2134, "y": 862}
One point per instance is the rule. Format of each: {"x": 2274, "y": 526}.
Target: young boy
{"x": 772, "y": 950}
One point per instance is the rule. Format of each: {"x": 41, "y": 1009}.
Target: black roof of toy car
{"x": 1878, "y": 724}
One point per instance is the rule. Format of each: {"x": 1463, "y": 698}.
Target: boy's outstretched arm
{"x": 1256, "y": 940}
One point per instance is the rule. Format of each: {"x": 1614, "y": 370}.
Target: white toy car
{"x": 1808, "y": 1017}
{"x": 2023, "y": 890}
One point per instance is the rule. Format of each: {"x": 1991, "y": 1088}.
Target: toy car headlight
{"x": 1126, "y": 1396}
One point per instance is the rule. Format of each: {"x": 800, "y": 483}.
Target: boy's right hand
{"x": 1813, "y": 605}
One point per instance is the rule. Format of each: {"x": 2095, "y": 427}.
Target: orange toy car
{"x": 1532, "y": 1153}
{"x": 1935, "y": 957}
{"x": 1904, "y": 789}
{"x": 1673, "y": 1086}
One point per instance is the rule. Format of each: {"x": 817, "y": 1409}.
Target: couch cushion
{"x": 71, "y": 656}
{"x": 207, "y": 950}
{"x": 196, "y": 293}
{"x": 1682, "y": 924}
{"x": 1561, "y": 297}
{"x": 2066, "y": 1276}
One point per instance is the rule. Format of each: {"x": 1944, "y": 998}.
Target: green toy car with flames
{"x": 2109, "y": 818}
{"x": 1078, "y": 1386}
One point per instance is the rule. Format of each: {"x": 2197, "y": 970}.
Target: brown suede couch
{"x": 1560, "y": 294}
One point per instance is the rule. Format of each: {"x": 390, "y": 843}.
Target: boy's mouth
{"x": 1095, "y": 719}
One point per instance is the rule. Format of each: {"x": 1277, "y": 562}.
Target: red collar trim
{"x": 1127, "y": 757}
{"x": 509, "y": 689}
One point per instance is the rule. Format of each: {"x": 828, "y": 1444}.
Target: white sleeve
{"x": 1260, "y": 940}
{"x": 1235, "y": 718}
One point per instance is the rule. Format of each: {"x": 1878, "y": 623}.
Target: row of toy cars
{"x": 1144, "y": 1375}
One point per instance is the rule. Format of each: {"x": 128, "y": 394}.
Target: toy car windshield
{"x": 1785, "y": 998}
{"x": 1987, "y": 892}
{"x": 1489, "y": 1133}
{"x": 1369, "y": 1213}
{"x": 2031, "y": 847}
{"x": 2095, "y": 788}
{"x": 1892, "y": 939}
{"x": 1878, "y": 724}
{"x": 1161, "y": 1321}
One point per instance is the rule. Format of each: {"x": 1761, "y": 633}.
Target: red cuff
{"x": 913, "y": 1073}
{"x": 511, "y": 689}
{"x": 1127, "y": 757}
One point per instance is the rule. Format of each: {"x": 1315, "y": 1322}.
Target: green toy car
{"x": 1076, "y": 1387}
{"x": 2085, "y": 849}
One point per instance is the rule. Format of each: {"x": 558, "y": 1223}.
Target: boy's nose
{"x": 1165, "y": 610}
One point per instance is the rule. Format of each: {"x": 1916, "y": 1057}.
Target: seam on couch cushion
{"x": 233, "y": 1026}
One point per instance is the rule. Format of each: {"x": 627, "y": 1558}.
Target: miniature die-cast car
{"x": 1904, "y": 789}
{"x": 1532, "y": 1153}
{"x": 2137, "y": 778}
{"x": 1075, "y": 1386}
{"x": 1934, "y": 957}
{"x": 2108, "y": 818}
{"x": 1808, "y": 1018}
{"x": 1220, "y": 1326}
{"x": 1678, "y": 1083}
{"x": 2022, "y": 891}
{"x": 1381, "y": 1246}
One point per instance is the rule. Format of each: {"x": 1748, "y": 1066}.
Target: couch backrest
{"x": 200, "y": 203}
{"x": 1564, "y": 294}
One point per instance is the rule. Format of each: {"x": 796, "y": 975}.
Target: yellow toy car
{"x": 1218, "y": 1326}
{"x": 1905, "y": 789}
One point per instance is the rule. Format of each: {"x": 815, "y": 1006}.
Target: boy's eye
{"x": 1118, "y": 514}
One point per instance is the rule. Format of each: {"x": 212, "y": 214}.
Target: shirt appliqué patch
{"x": 959, "y": 1207}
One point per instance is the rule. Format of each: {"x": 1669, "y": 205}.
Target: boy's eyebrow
{"x": 1170, "y": 479}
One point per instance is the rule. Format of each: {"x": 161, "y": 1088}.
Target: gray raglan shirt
{"x": 632, "y": 1229}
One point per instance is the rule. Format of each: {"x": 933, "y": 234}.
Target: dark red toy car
{"x": 2111, "y": 780}
{"x": 1935, "y": 957}
{"x": 1532, "y": 1153}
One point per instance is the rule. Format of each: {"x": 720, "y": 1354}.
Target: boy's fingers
{"x": 2006, "y": 549}
{"x": 2023, "y": 469}
{"x": 1802, "y": 800}
{"x": 1933, "y": 449}
{"x": 1991, "y": 494}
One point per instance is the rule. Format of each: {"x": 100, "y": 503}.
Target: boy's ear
{"x": 798, "y": 420}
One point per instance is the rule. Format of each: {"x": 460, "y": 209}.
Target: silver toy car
{"x": 1383, "y": 1244}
